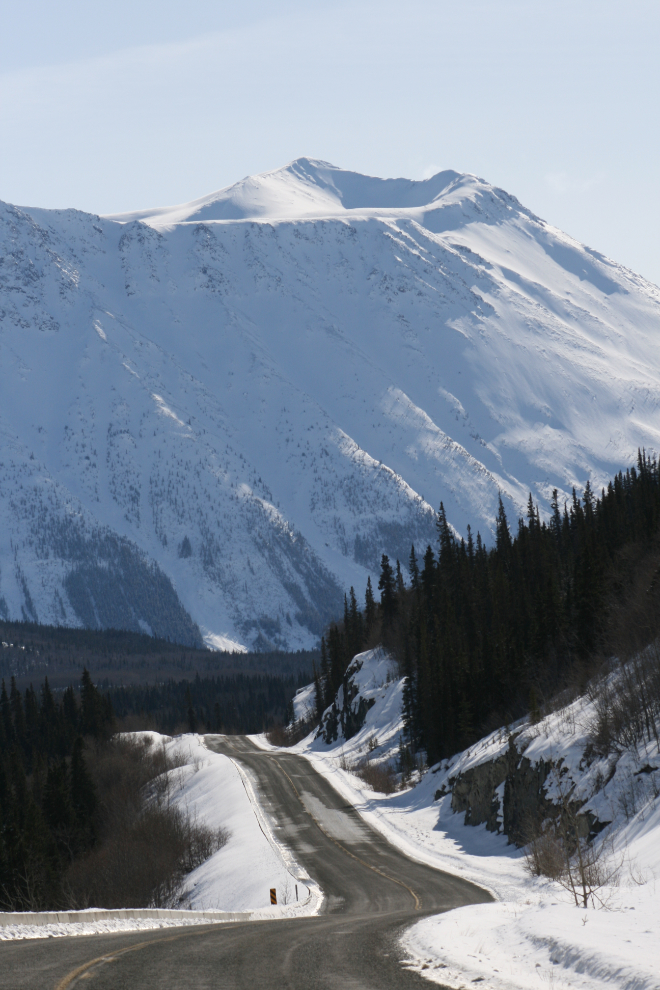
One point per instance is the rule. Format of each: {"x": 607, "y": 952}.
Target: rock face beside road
{"x": 513, "y": 793}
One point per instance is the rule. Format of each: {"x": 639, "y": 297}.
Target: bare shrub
{"x": 544, "y": 854}
{"x": 556, "y": 849}
{"x": 626, "y": 699}
{"x": 380, "y": 777}
{"x": 626, "y": 694}
{"x": 145, "y": 867}
{"x": 588, "y": 873}
{"x": 278, "y": 735}
{"x": 289, "y": 735}
{"x": 146, "y": 845}
{"x": 136, "y": 723}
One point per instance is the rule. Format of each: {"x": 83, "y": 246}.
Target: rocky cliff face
{"x": 348, "y": 711}
{"x": 513, "y": 794}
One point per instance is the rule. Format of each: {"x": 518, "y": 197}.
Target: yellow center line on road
{"x": 369, "y": 866}
{"x": 80, "y": 971}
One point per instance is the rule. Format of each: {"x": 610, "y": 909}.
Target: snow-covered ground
{"x": 533, "y": 935}
{"x": 223, "y": 413}
{"x": 237, "y": 878}
{"x": 13, "y": 932}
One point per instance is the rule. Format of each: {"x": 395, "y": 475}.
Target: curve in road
{"x": 371, "y": 890}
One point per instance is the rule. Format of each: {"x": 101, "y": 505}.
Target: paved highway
{"x": 372, "y": 892}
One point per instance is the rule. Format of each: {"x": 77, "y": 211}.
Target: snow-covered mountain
{"x": 215, "y": 417}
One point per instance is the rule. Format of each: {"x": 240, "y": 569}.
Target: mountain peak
{"x": 306, "y": 187}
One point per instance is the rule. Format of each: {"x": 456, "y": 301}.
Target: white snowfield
{"x": 236, "y": 879}
{"x": 533, "y": 935}
{"x": 222, "y": 413}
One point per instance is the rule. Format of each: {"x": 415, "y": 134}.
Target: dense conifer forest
{"x": 239, "y": 703}
{"x": 48, "y": 802}
{"x": 29, "y": 652}
{"x": 485, "y": 635}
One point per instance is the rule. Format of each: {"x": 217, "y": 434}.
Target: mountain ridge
{"x": 304, "y": 187}
{"x": 241, "y": 415}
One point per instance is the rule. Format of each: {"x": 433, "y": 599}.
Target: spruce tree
{"x": 58, "y": 810}
{"x": 319, "y": 701}
{"x": 325, "y": 675}
{"x": 93, "y": 718}
{"x": 369, "y": 609}
{"x": 337, "y": 657}
{"x": 83, "y": 796}
{"x": 400, "y": 586}
{"x": 17, "y": 713}
{"x": 70, "y": 717}
{"x": 5, "y": 714}
{"x": 414, "y": 569}
{"x": 503, "y": 536}
{"x": 190, "y": 712}
{"x": 356, "y": 629}
{"x": 387, "y": 588}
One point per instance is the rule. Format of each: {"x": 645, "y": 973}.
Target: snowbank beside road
{"x": 238, "y": 877}
{"x": 533, "y": 935}
{"x": 522, "y": 945}
{"x": 99, "y": 926}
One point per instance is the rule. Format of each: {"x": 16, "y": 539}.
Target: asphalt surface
{"x": 372, "y": 893}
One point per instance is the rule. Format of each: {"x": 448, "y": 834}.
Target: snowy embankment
{"x": 533, "y": 934}
{"x": 237, "y": 878}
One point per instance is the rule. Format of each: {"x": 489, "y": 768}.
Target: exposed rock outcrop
{"x": 349, "y": 709}
{"x": 508, "y": 795}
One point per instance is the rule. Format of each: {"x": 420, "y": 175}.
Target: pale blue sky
{"x": 116, "y": 106}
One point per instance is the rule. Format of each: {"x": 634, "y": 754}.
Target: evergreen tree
{"x": 70, "y": 716}
{"x": 400, "y": 586}
{"x": 325, "y": 675}
{"x": 83, "y": 796}
{"x": 17, "y": 714}
{"x": 414, "y": 569}
{"x": 319, "y": 700}
{"x": 338, "y": 659}
{"x": 369, "y": 609}
{"x": 94, "y": 716}
{"x": 355, "y": 632}
{"x": 58, "y": 810}
{"x": 503, "y": 536}
{"x": 387, "y": 588}
{"x": 5, "y": 714}
{"x": 190, "y": 712}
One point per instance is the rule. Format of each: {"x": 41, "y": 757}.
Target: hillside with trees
{"x": 484, "y": 635}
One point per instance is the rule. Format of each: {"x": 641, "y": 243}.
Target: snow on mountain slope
{"x": 304, "y": 188}
{"x": 216, "y": 417}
